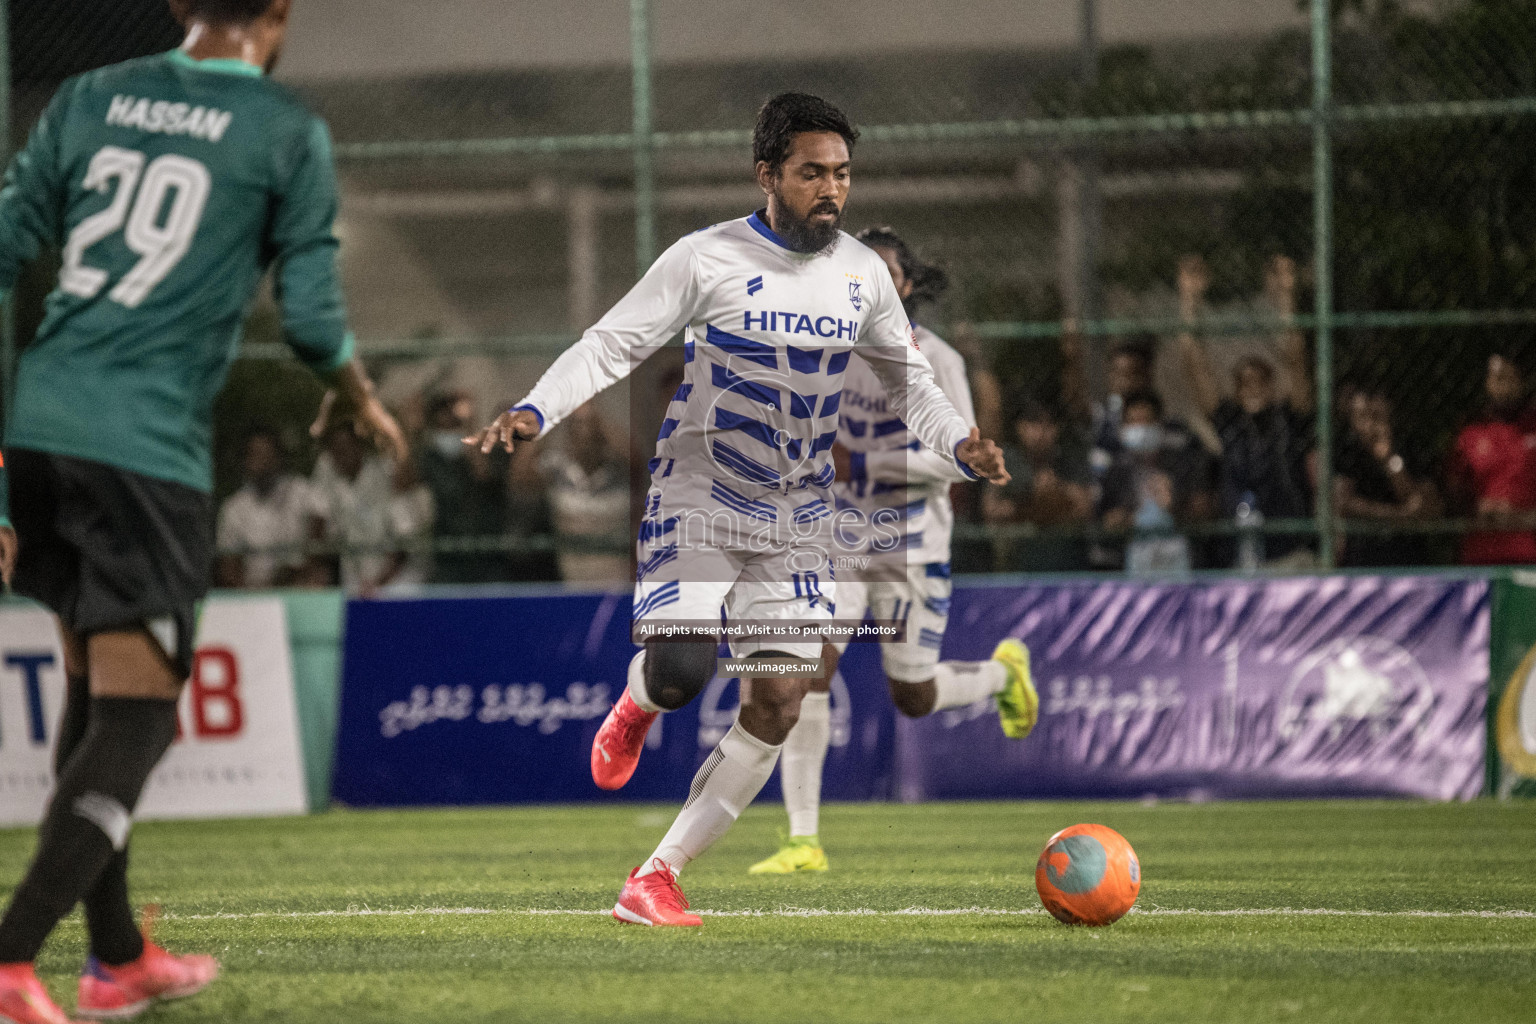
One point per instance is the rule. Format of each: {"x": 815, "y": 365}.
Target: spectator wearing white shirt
{"x": 262, "y": 525}
{"x": 380, "y": 511}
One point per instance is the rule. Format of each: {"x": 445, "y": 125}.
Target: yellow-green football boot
{"x": 799, "y": 853}
{"x": 1018, "y": 705}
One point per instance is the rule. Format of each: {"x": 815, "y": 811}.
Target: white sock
{"x": 961, "y": 683}
{"x": 637, "y": 683}
{"x": 805, "y": 751}
{"x": 728, "y": 780}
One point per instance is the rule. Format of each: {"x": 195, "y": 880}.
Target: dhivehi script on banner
{"x": 237, "y": 751}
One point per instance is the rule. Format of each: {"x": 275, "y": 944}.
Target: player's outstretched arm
{"x": 655, "y": 309}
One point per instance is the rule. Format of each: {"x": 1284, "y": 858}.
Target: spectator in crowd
{"x": 271, "y": 510}
{"x": 1492, "y": 473}
{"x": 469, "y": 489}
{"x": 1052, "y": 489}
{"x": 591, "y": 494}
{"x": 1266, "y": 429}
{"x": 381, "y": 512}
{"x": 1130, "y": 369}
{"x": 530, "y": 519}
{"x": 1158, "y": 481}
{"x": 1374, "y": 479}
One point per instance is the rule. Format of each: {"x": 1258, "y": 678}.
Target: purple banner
{"x": 1332, "y": 686}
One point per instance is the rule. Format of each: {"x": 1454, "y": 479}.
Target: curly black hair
{"x": 929, "y": 282}
{"x": 227, "y": 12}
{"x": 789, "y": 114}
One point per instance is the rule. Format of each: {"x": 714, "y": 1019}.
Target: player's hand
{"x": 8, "y": 548}
{"x": 374, "y": 421}
{"x": 984, "y": 458}
{"x": 511, "y": 426}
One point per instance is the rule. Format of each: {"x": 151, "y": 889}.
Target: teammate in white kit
{"x": 901, "y": 495}
{"x": 738, "y": 519}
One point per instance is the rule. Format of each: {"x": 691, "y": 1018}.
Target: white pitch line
{"x": 788, "y": 912}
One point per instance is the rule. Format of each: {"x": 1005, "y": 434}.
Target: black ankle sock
{"x": 87, "y": 823}
{"x": 115, "y": 935}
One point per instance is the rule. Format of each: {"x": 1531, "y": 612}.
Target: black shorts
{"x": 108, "y": 549}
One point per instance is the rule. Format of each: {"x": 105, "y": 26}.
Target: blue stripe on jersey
{"x": 839, "y": 361}
{"x": 683, "y": 391}
{"x": 752, "y": 351}
{"x": 831, "y": 403}
{"x": 687, "y": 352}
{"x": 658, "y": 558}
{"x": 855, "y": 427}
{"x": 650, "y": 529}
{"x": 741, "y": 503}
{"x": 667, "y": 426}
{"x": 884, "y": 427}
{"x": 904, "y": 542}
{"x": 749, "y": 468}
{"x": 802, "y": 407}
{"x": 811, "y": 511}
{"x": 650, "y": 467}
{"x": 882, "y": 487}
{"x": 804, "y": 360}
{"x": 929, "y": 638}
{"x": 822, "y": 479}
{"x": 937, "y": 605}
{"x": 823, "y": 443}
{"x": 915, "y": 508}
{"x": 936, "y": 570}
{"x": 755, "y": 429}
{"x": 725, "y": 380}
{"x": 667, "y": 593}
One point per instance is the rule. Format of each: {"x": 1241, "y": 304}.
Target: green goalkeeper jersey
{"x": 170, "y": 185}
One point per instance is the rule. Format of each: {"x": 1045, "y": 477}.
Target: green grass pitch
{"x": 1444, "y": 922}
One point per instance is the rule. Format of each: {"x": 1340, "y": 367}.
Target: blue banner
{"x": 497, "y": 700}
{"x": 1334, "y": 686}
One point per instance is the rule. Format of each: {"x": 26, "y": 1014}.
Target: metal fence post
{"x": 644, "y": 137}
{"x": 1322, "y": 264}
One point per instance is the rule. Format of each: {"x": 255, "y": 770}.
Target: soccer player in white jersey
{"x": 738, "y": 518}
{"x": 900, "y": 493}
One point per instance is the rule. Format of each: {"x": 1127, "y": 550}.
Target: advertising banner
{"x": 1331, "y": 686}
{"x": 237, "y": 752}
{"x": 1512, "y": 687}
{"x": 497, "y": 700}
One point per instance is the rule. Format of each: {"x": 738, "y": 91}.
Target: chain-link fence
{"x": 1258, "y": 300}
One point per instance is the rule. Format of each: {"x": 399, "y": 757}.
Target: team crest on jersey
{"x": 855, "y": 292}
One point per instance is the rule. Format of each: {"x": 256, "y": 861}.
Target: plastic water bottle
{"x": 1250, "y": 538}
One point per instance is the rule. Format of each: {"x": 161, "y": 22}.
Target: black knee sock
{"x": 115, "y": 937}
{"x": 88, "y": 819}
{"x": 77, "y": 712}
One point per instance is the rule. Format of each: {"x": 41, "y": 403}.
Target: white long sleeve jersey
{"x": 769, "y": 334}
{"x": 897, "y": 486}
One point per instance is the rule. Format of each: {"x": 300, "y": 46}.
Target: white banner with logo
{"x": 237, "y": 752}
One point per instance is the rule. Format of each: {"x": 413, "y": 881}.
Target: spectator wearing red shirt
{"x": 1493, "y": 469}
